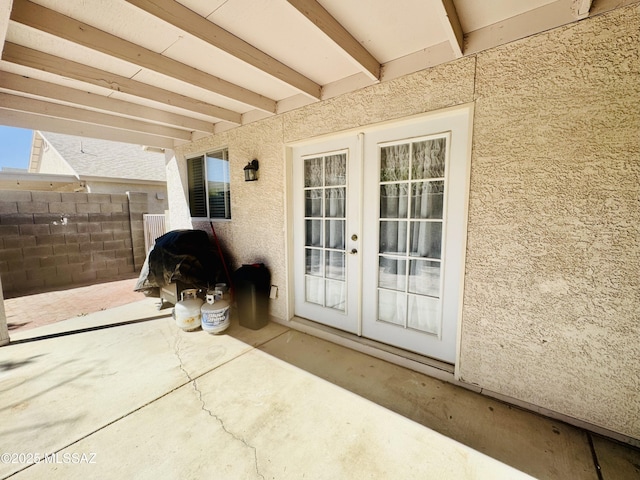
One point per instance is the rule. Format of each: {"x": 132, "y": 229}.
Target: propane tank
{"x": 215, "y": 314}
{"x": 187, "y": 310}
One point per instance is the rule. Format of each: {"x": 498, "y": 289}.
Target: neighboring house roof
{"x": 90, "y": 157}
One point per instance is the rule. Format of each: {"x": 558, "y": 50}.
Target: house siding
{"x": 552, "y": 291}
{"x": 52, "y": 162}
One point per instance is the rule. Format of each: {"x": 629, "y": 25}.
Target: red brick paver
{"x": 33, "y": 311}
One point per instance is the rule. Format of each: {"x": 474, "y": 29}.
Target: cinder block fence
{"x": 50, "y": 240}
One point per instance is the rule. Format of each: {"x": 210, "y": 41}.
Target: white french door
{"x": 326, "y": 209}
{"x": 380, "y": 232}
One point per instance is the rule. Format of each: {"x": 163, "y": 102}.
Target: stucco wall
{"x": 552, "y": 303}
{"x": 550, "y": 312}
{"x": 256, "y": 232}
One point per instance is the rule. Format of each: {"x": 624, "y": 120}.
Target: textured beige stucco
{"x": 552, "y": 289}
{"x": 256, "y": 232}
{"x": 425, "y": 91}
{"x": 552, "y": 299}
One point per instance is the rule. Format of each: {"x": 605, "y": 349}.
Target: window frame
{"x": 221, "y": 153}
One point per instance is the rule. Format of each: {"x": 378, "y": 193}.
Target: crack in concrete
{"x": 226, "y": 430}
{"x": 176, "y": 351}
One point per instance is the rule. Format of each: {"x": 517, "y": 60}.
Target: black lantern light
{"x": 250, "y": 170}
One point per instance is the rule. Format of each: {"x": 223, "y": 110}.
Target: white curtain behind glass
{"x": 411, "y": 208}
{"x": 325, "y": 182}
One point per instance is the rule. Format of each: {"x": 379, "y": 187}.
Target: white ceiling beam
{"x": 181, "y": 17}
{"x": 32, "y": 86}
{"x": 5, "y": 12}
{"x": 532, "y": 22}
{"x": 427, "y": 58}
{"x": 324, "y": 21}
{"x": 40, "y": 107}
{"x": 446, "y": 10}
{"x": 54, "y": 23}
{"x": 45, "y": 62}
{"x": 13, "y": 118}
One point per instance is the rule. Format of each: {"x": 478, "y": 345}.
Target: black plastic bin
{"x": 252, "y": 284}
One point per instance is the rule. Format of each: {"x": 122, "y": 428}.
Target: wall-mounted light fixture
{"x": 250, "y": 171}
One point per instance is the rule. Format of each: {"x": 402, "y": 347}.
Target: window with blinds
{"x": 208, "y": 180}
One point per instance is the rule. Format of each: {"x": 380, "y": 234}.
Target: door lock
{"x": 354, "y": 237}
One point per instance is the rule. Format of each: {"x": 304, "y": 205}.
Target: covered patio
{"x": 533, "y": 110}
{"x": 123, "y": 393}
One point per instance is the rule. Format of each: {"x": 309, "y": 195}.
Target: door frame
{"x": 289, "y": 226}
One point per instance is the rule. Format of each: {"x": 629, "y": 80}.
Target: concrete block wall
{"x": 54, "y": 239}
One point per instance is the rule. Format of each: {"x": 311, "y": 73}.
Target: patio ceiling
{"x": 164, "y": 72}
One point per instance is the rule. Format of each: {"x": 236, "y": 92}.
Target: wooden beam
{"x": 181, "y": 17}
{"x": 323, "y": 20}
{"x": 28, "y": 57}
{"x": 13, "y": 118}
{"x": 32, "y": 86}
{"x": 40, "y": 107}
{"x": 54, "y": 23}
{"x": 5, "y": 12}
{"x": 532, "y": 22}
{"x": 451, "y": 23}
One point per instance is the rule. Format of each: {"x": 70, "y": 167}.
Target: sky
{"x": 15, "y": 146}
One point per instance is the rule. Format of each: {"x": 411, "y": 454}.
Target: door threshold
{"x": 413, "y": 361}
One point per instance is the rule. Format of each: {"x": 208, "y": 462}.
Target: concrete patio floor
{"x": 146, "y": 400}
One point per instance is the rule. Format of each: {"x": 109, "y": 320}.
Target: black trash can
{"x": 252, "y": 284}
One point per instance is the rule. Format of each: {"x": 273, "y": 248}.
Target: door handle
{"x": 353, "y": 251}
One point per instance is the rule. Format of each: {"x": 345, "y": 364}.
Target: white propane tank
{"x": 215, "y": 314}
{"x": 187, "y": 310}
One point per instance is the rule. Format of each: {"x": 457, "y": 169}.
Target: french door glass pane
{"x": 426, "y": 199}
{"x": 313, "y": 233}
{"x": 393, "y": 237}
{"x": 313, "y": 172}
{"x": 429, "y": 158}
{"x": 334, "y": 202}
{"x": 424, "y": 277}
{"x": 394, "y": 200}
{"x": 392, "y": 273}
{"x": 426, "y": 239}
{"x": 325, "y": 211}
{"x": 314, "y": 290}
{"x": 392, "y": 307}
{"x": 334, "y": 234}
{"x": 424, "y": 314}
{"x": 313, "y": 261}
{"x": 394, "y": 163}
{"x": 336, "y": 295}
{"x": 313, "y": 203}
{"x": 335, "y": 267}
{"x": 336, "y": 170}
